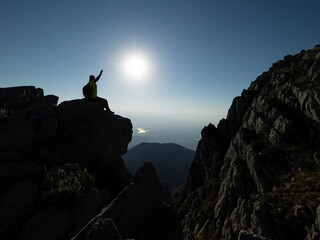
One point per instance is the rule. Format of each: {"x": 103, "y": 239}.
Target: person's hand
{"x": 101, "y": 71}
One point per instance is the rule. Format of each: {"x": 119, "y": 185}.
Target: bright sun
{"x": 136, "y": 66}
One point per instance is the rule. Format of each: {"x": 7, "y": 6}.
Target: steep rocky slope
{"x": 61, "y": 169}
{"x": 256, "y": 175}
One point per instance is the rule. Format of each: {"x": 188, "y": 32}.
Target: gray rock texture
{"x": 255, "y": 175}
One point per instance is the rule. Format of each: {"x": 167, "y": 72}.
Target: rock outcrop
{"x": 144, "y": 199}
{"x": 256, "y": 175}
{"x": 61, "y": 169}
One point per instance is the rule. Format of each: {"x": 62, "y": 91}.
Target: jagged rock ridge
{"x": 61, "y": 169}
{"x": 255, "y": 175}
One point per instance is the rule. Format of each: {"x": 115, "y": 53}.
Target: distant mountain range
{"x": 171, "y": 161}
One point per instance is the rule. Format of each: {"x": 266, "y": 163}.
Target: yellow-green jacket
{"x": 93, "y": 85}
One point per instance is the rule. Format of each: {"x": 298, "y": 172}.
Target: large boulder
{"x": 116, "y": 177}
{"x": 95, "y": 139}
{"x": 50, "y": 223}
{"x": 103, "y": 229}
{"x": 14, "y": 168}
{"x": 17, "y": 136}
{"x": 28, "y": 116}
{"x": 138, "y": 207}
{"x": 16, "y": 206}
{"x": 18, "y": 97}
{"x": 62, "y": 222}
{"x": 43, "y": 112}
{"x": 74, "y": 111}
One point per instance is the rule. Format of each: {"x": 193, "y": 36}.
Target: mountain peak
{"x": 241, "y": 182}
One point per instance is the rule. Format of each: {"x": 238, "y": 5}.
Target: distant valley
{"x": 171, "y": 161}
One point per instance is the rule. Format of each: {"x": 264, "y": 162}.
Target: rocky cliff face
{"x": 61, "y": 169}
{"x": 256, "y": 175}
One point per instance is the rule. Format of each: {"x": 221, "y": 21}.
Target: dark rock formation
{"x": 255, "y": 175}
{"x": 103, "y": 229}
{"x": 61, "y": 166}
{"x": 143, "y": 203}
{"x": 16, "y": 206}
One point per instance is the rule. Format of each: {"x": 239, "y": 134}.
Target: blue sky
{"x": 202, "y": 53}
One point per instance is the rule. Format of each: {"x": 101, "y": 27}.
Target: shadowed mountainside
{"x": 256, "y": 175}
{"x": 62, "y": 175}
{"x": 170, "y": 160}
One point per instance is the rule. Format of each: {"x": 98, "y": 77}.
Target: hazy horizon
{"x": 158, "y": 129}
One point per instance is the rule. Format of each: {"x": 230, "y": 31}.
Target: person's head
{"x": 92, "y": 77}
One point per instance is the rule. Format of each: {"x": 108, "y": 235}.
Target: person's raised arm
{"x": 98, "y": 77}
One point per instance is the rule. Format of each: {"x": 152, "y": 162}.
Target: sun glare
{"x": 136, "y": 66}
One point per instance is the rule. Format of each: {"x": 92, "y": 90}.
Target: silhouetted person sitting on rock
{"x": 90, "y": 92}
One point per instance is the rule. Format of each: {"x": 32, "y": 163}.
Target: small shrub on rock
{"x": 68, "y": 185}
{"x": 3, "y": 113}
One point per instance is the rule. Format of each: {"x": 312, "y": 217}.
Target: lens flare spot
{"x": 141, "y": 130}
